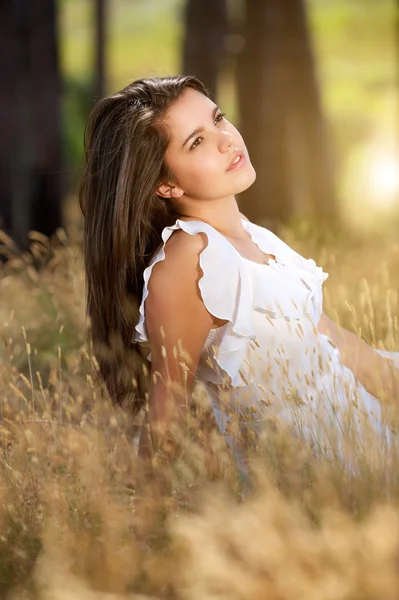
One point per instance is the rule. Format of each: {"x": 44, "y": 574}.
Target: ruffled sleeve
{"x": 224, "y": 291}
{"x": 229, "y": 291}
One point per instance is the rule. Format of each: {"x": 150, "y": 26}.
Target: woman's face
{"x": 203, "y": 145}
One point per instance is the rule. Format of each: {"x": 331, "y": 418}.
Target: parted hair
{"x": 125, "y": 144}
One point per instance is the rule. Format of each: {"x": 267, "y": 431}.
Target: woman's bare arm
{"x": 178, "y": 324}
{"x": 377, "y": 374}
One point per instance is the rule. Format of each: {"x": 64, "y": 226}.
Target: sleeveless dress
{"x": 269, "y": 360}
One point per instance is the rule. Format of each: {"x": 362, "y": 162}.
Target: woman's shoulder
{"x": 180, "y": 247}
{"x": 190, "y": 238}
{"x": 183, "y": 260}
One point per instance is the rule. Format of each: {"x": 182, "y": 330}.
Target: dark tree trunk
{"x": 305, "y": 108}
{"x": 100, "y": 83}
{"x": 30, "y": 144}
{"x": 262, "y": 83}
{"x": 281, "y": 116}
{"x": 204, "y": 44}
{"x": 7, "y": 111}
{"x": 45, "y": 76}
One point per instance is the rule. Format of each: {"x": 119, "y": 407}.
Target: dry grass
{"x": 79, "y": 521}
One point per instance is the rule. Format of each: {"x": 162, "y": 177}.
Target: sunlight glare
{"x": 384, "y": 179}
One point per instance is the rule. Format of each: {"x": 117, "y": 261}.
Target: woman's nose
{"x": 225, "y": 141}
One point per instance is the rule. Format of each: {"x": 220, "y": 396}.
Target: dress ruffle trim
{"x": 228, "y": 291}
{"x": 306, "y": 269}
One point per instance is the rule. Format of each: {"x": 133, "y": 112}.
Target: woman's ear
{"x": 169, "y": 191}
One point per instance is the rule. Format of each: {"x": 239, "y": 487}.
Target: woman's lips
{"x": 239, "y": 164}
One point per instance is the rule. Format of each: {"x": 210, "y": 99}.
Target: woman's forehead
{"x": 191, "y": 111}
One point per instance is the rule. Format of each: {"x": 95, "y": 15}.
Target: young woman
{"x": 220, "y": 299}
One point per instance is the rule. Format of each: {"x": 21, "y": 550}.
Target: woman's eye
{"x": 220, "y": 117}
{"x": 198, "y": 140}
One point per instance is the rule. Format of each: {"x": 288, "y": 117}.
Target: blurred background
{"x": 311, "y": 84}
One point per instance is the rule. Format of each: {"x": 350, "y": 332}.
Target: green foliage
{"x": 77, "y": 100}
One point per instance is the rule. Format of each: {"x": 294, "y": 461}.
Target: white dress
{"x": 269, "y": 359}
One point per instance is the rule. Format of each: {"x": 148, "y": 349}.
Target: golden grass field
{"x": 79, "y": 521}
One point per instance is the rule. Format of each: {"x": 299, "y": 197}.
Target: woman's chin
{"x": 246, "y": 182}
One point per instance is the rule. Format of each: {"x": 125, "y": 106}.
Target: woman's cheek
{"x": 207, "y": 171}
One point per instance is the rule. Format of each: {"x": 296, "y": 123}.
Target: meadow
{"x": 79, "y": 518}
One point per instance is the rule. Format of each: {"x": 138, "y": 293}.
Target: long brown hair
{"x": 125, "y": 145}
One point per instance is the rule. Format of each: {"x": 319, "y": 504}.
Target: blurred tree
{"x": 100, "y": 83}
{"x": 315, "y": 168}
{"x": 204, "y": 43}
{"x": 261, "y": 88}
{"x": 281, "y": 115}
{"x": 30, "y": 144}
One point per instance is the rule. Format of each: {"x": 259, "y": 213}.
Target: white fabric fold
{"x": 233, "y": 287}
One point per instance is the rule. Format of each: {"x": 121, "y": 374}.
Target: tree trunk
{"x": 307, "y": 117}
{"x": 7, "y": 111}
{"x": 281, "y": 116}
{"x": 45, "y": 194}
{"x": 204, "y": 50}
{"x": 100, "y": 83}
{"x": 30, "y": 144}
{"x": 262, "y": 84}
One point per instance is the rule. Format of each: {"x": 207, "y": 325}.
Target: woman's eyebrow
{"x": 197, "y": 131}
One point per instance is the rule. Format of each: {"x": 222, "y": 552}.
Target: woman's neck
{"x": 225, "y": 217}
